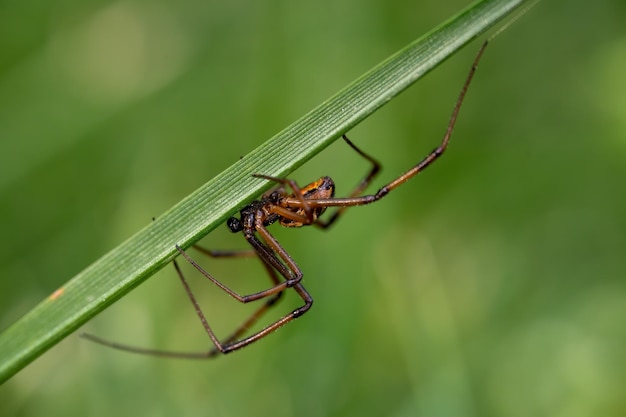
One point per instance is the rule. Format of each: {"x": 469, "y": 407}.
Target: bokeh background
{"x": 492, "y": 285}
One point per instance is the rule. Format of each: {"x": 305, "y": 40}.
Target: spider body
{"x": 276, "y": 206}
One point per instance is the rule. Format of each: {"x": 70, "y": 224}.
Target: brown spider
{"x": 302, "y": 207}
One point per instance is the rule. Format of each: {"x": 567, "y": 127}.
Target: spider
{"x": 299, "y": 207}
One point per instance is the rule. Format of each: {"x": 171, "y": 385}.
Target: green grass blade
{"x": 126, "y": 266}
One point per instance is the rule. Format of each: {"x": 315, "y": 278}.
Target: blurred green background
{"x": 491, "y": 285}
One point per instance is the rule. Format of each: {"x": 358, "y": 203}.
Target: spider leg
{"x": 158, "y": 352}
{"x": 232, "y": 346}
{"x": 250, "y": 321}
{"x": 358, "y": 190}
{"x": 224, "y": 346}
{"x": 269, "y": 253}
{"x": 241, "y": 298}
{"x": 439, "y": 150}
{"x": 429, "y": 159}
{"x": 271, "y": 272}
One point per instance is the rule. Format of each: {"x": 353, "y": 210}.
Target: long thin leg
{"x": 308, "y": 302}
{"x": 241, "y": 298}
{"x": 223, "y": 347}
{"x": 250, "y": 321}
{"x": 429, "y": 159}
{"x": 271, "y": 272}
{"x": 230, "y": 343}
{"x": 439, "y": 150}
{"x": 268, "y": 252}
{"x": 358, "y": 190}
{"x": 158, "y": 352}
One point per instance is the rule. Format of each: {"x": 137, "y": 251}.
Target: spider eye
{"x": 234, "y": 224}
